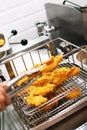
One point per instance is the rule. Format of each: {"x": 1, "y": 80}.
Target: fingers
{"x": 3, "y": 84}
{"x": 2, "y": 104}
{"x": 4, "y": 97}
{"x": 8, "y": 100}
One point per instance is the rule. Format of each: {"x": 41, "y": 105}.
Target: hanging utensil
{"x": 76, "y": 6}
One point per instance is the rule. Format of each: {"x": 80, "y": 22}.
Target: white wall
{"x": 22, "y": 15}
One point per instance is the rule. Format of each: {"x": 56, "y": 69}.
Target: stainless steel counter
{"x": 77, "y": 121}
{"x": 72, "y": 122}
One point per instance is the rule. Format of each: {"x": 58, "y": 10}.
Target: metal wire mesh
{"x": 72, "y": 56}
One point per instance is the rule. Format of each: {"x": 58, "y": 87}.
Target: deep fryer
{"x": 34, "y": 118}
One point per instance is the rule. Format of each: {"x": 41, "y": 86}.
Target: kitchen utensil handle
{"x": 13, "y": 91}
{"x": 71, "y": 3}
{"x": 27, "y": 73}
{"x": 30, "y": 72}
{"x": 18, "y": 89}
{"x": 11, "y": 82}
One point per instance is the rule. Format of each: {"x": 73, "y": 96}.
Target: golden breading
{"x": 26, "y": 79}
{"x": 74, "y": 93}
{"x": 36, "y": 66}
{"x": 35, "y": 100}
{"x": 50, "y": 65}
{"x": 49, "y": 83}
{"x": 43, "y": 80}
{"x": 51, "y": 60}
{"x": 60, "y": 75}
{"x": 74, "y": 71}
{"x": 22, "y": 81}
{"x": 57, "y": 76}
{"x": 43, "y": 91}
{"x": 45, "y": 87}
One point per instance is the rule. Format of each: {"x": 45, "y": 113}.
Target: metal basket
{"x": 35, "y": 118}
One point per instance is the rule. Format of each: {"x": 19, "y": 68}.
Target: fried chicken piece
{"x": 22, "y": 81}
{"x": 76, "y": 92}
{"x": 26, "y": 79}
{"x": 46, "y": 86}
{"x": 42, "y": 81}
{"x": 60, "y": 75}
{"x": 51, "y": 60}
{"x": 36, "y": 66}
{"x": 43, "y": 91}
{"x": 35, "y": 100}
{"x": 47, "y": 83}
{"x": 52, "y": 63}
{"x": 52, "y": 104}
{"x": 74, "y": 71}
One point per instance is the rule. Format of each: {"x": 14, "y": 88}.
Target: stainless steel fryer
{"x": 33, "y": 118}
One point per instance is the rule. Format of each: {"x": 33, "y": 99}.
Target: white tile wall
{"x": 22, "y": 15}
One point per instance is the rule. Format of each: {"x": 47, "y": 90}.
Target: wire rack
{"x": 14, "y": 65}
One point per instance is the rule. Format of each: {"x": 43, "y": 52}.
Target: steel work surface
{"x": 72, "y": 122}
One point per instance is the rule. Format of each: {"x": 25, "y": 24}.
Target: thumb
{"x": 3, "y": 84}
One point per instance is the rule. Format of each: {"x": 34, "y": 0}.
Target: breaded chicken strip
{"x": 43, "y": 91}
{"x": 26, "y": 79}
{"x": 74, "y": 93}
{"x": 22, "y": 81}
{"x": 60, "y": 75}
{"x": 43, "y": 80}
{"x": 49, "y": 66}
{"x": 74, "y": 71}
{"x": 35, "y": 100}
{"x": 52, "y": 63}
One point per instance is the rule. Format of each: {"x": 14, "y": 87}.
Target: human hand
{"x": 4, "y": 97}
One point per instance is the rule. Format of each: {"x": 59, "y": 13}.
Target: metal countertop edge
{"x": 62, "y": 115}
